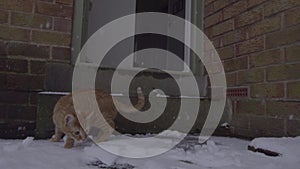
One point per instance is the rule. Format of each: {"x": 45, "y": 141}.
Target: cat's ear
{"x": 69, "y": 118}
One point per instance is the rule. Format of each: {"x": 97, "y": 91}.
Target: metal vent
{"x": 237, "y": 92}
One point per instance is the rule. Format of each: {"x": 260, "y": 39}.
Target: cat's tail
{"x": 121, "y": 107}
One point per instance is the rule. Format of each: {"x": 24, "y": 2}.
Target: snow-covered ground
{"x": 218, "y": 152}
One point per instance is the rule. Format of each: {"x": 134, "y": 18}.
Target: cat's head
{"x": 74, "y": 128}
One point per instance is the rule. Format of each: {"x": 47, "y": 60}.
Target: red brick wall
{"x": 259, "y": 44}
{"x": 32, "y": 34}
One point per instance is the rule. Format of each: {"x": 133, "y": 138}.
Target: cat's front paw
{"x": 68, "y": 146}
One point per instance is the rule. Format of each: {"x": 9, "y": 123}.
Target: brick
{"x": 30, "y": 20}
{"x": 293, "y": 128}
{"x": 13, "y": 97}
{"x": 252, "y": 3}
{"x": 276, "y": 6}
{"x": 235, "y": 9}
{"x": 3, "y": 48}
{"x": 17, "y": 34}
{"x": 250, "y": 76}
{"x": 206, "y": 2}
{"x": 265, "y": 26}
{"x": 33, "y": 51}
{"x": 222, "y": 27}
{"x": 21, "y": 112}
{"x": 67, "y": 2}
{"x": 209, "y": 9}
{"x": 293, "y": 90}
{"x": 17, "y": 5}
{"x": 54, "y": 10}
{"x": 267, "y": 90}
{"x": 3, "y": 17}
{"x": 281, "y": 109}
{"x": 266, "y": 58}
{"x": 285, "y": 37}
{"x": 25, "y": 82}
{"x": 226, "y": 52}
{"x": 2, "y": 81}
{"x": 216, "y": 42}
{"x": 231, "y": 79}
{"x": 236, "y": 64}
{"x": 250, "y": 107}
{"x": 292, "y": 53}
{"x": 220, "y": 4}
{"x": 283, "y": 72}
{"x": 266, "y": 126}
{"x": 52, "y": 38}
{"x": 250, "y": 46}
{"x": 249, "y": 17}
{"x": 33, "y": 98}
{"x": 13, "y": 65}
{"x": 37, "y": 67}
{"x": 3, "y": 111}
{"x": 234, "y": 37}
{"x": 292, "y": 17}
{"x": 240, "y": 121}
{"x": 63, "y": 25}
{"x": 61, "y": 53}
{"x": 213, "y": 19}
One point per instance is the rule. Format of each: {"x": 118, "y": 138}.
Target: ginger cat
{"x": 66, "y": 121}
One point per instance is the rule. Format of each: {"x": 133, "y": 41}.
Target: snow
{"x": 218, "y": 152}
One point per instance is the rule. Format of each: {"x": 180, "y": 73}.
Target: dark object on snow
{"x": 264, "y": 151}
{"x": 101, "y": 165}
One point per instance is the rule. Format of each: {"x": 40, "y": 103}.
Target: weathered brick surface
{"x": 226, "y": 53}
{"x": 249, "y": 17}
{"x": 12, "y": 65}
{"x": 235, "y": 9}
{"x": 222, "y": 27}
{"x": 283, "y": 72}
{"x": 51, "y": 38}
{"x": 234, "y": 36}
{"x": 68, "y": 2}
{"x": 267, "y": 90}
{"x": 54, "y": 10}
{"x": 61, "y": 53}
{"x": 30, "y": 20}
{"x": 283, "y": 109}
{"x": 285, "y": 37}
{"x": 37, "y": 67}
{"x": 250, "y": 46}
{"x": 25, "y": 82}
{"x": 292, "y": 17}
{"x": 236, "y": 64}
{"x": 260, "y": 51}
{"x": 265, "y": 126}
{"x": 3, "y": 17}
{"x": 62, "y": 25}
{"x": 231, "y": 79}
{"x": 293, "y": 127}
{"x": 30, "y": 33}
{"x": 250, "y": 107}
{"x": 293, "y": 90}
{"x": 266, "y": 58}
{"x": 276, "y": 6}
{"x": 265, "y": 26}
{"x": 17, "y": 5}
{"x": 250, "y": 76}
{"x": 28, "y": 50}
{"x": 292, "y": 53}
{"x": 9, "y": 33}
{"x": 21, "y": 112}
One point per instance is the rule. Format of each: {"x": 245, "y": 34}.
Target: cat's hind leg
{"x": 57, "y": 136}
